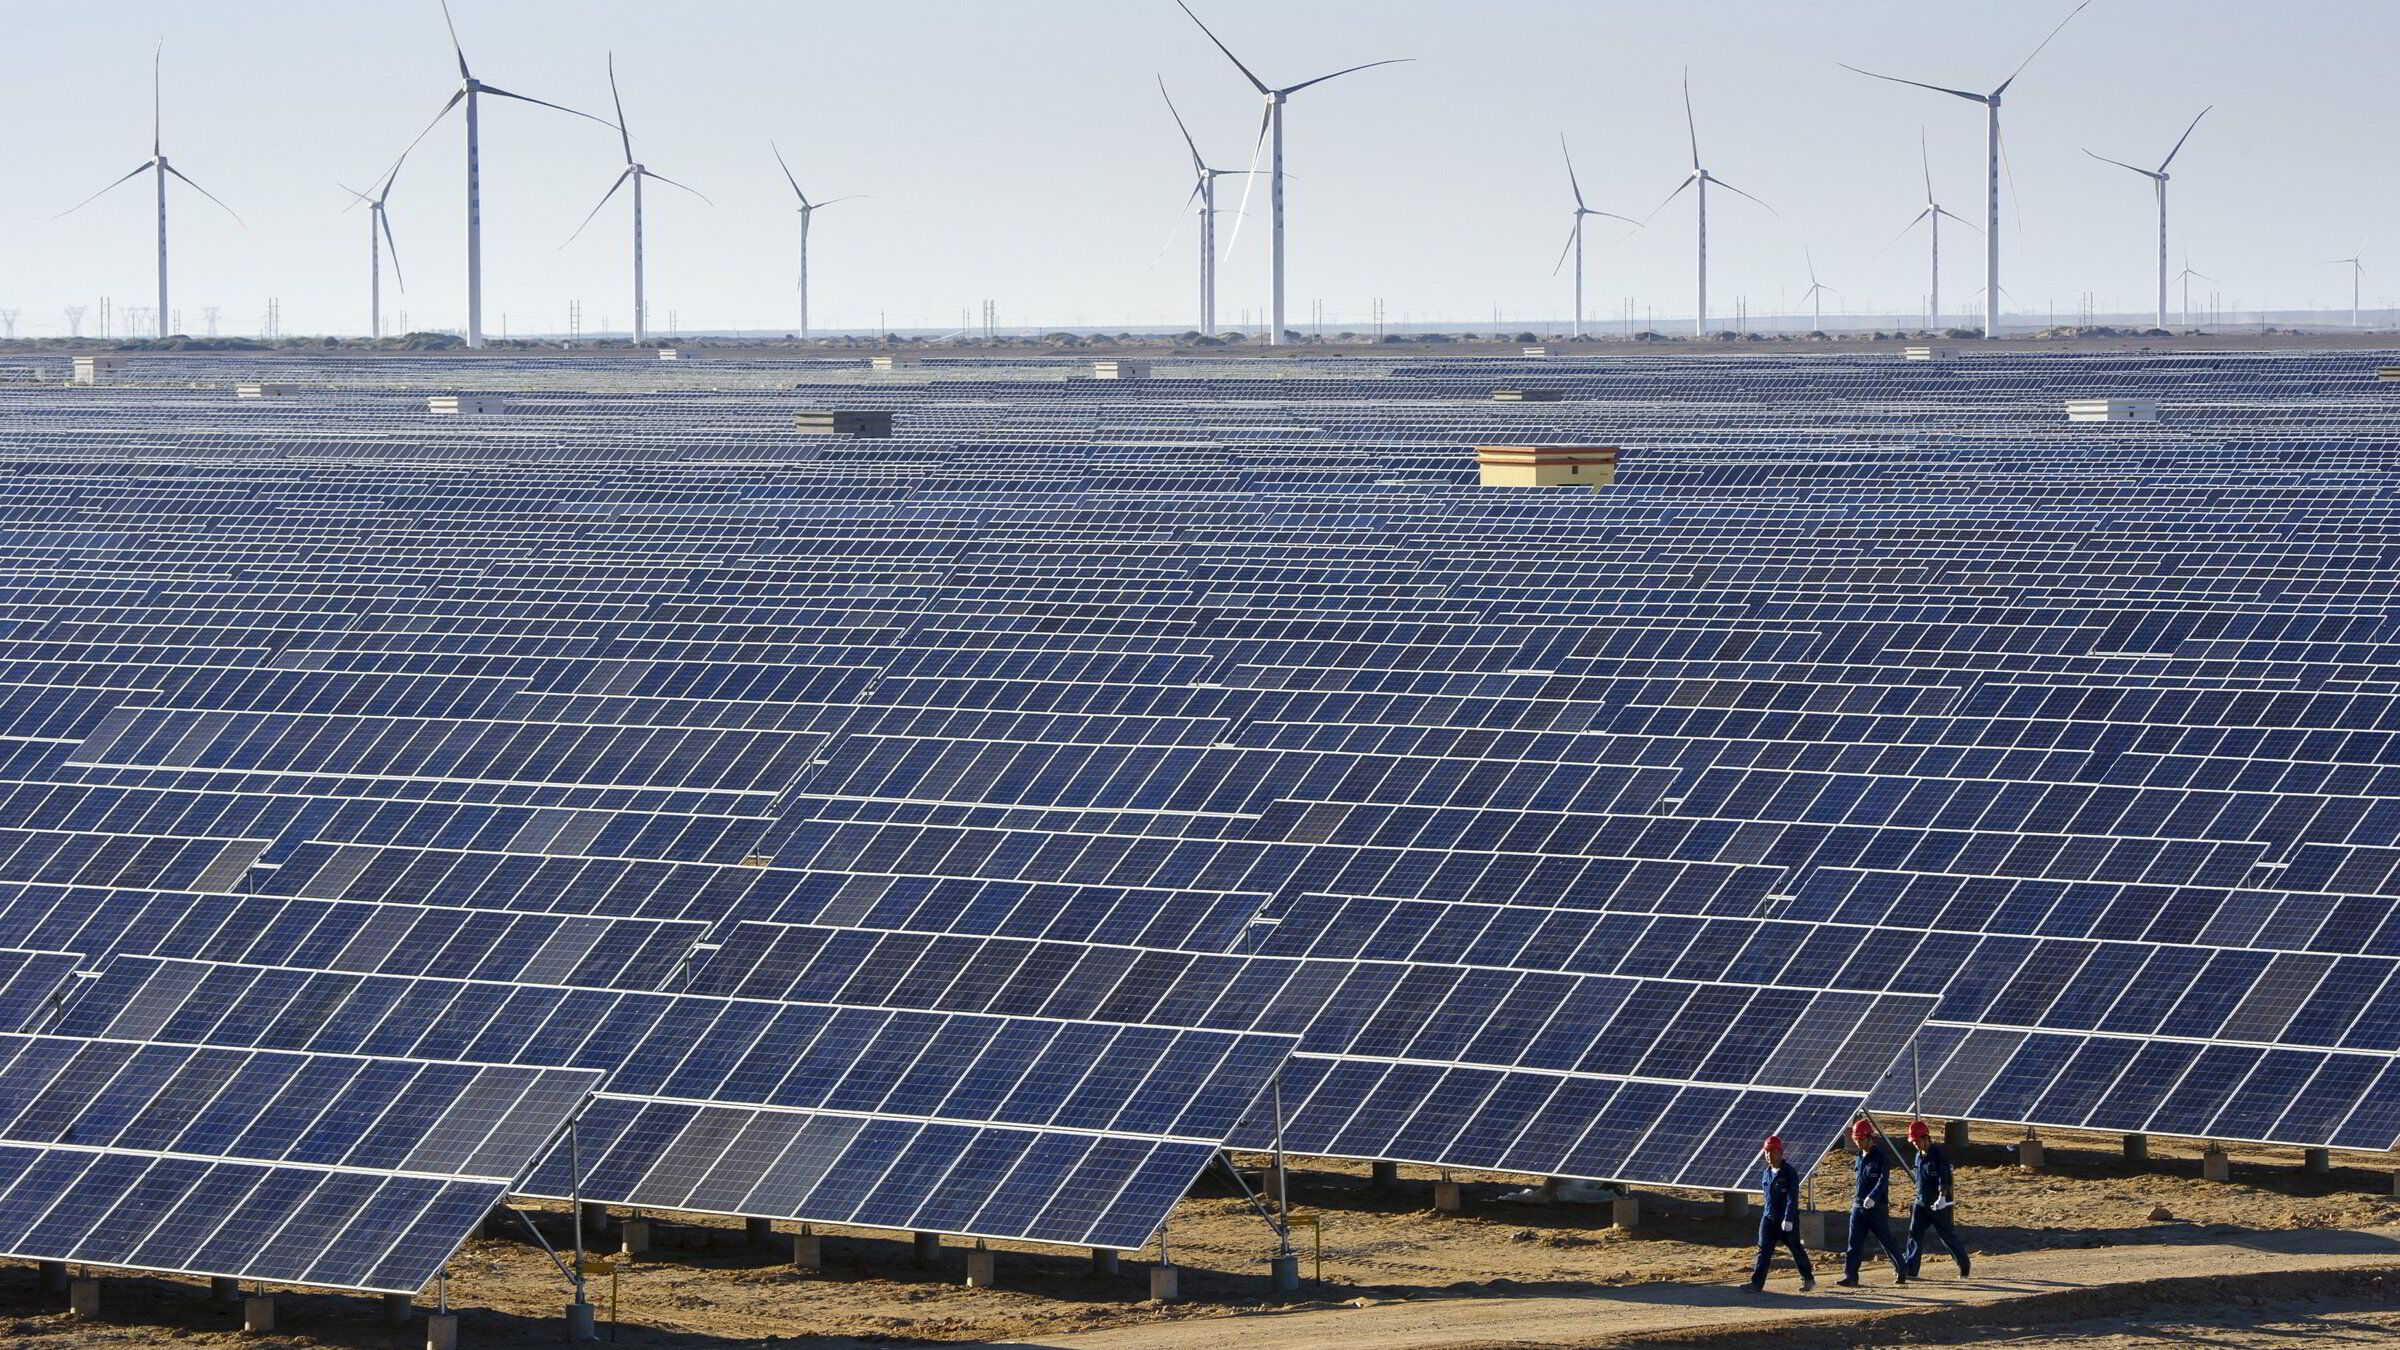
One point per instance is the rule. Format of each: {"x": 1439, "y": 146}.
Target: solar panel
{"x": 333, "y": 1170}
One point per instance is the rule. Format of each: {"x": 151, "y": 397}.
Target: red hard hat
{"x": 1918, "y": 1129}
{"x": 1774, "y": 1144}
{"x": 1863, "y": 1131}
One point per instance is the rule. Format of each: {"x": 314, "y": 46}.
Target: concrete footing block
{"x": 399, "y": 1309}
{"x": 2137, "y": 1148}
{"x": 1734, "y": 1204}
{"x": 1283, "y": 1273}
{"x": 2396, "y": 1183}
{"x": 441, "y": 1331}
{"x": 1954, "y": 1135}
{"x": 224, "y": 1292}
{"x": 583, "y": 1322}
{"x": 633, "y": 1237}
{"x": 1448, "y": 1198}
{"x": 1385, "y": 1175}
{"x": 1105, "y": 1261}
{"x": 808, "y": 1251}
{"x": 982, "y": 1270}
{"x": 595, "y": 1220}
{"x": 53, "y": 1276}
{"x": 1165, "y": 1287}
{"x": 758, "y": 1232}
{"x": 2029, "y": 1153}
{"x": 1812, "y": 1230}
{"x": 2316, "y": 1161}
{"x": 258, "y": 1314}
{"x": 1626, "y": 1211}
{"x": 83, "y": 1299}
{"x": 928, "y": 1249}
{"x": 2215, "y": 1165}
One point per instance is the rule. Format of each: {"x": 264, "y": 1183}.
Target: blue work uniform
{"x": 1932, "y": 1172}
{"x": 1868, "y": 1207}
{"x": 1781, "y": 1188}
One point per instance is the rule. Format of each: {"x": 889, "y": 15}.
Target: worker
{"x": 1933, "y": 1209}
{"x": 1868, "y": 1204}
{"x": 1779, "y": 1218}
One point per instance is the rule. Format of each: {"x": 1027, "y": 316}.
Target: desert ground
{"x": 2091, "y": 1250}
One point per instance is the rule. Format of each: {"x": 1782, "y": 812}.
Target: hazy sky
{"x": 1019, "y": 152}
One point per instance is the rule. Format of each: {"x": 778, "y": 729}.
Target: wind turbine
{"x": 470, "y": 90}
{"x": 635, "y": 173}
{"x": 1991, "y": 197}
{"x": 2158, "y": 185}
{"x": 1575, "y": 233}
{"x": 807, "y": 210}
{"x": 2357, "y": 270}
{"x": 1932, "y": 216}
{"x": 1271, "y": 124}
{"x": 2185, "y": 276}
{"x": 159, "y": 169}
{"x": 1702, "y": 177}
{"x": 1817, "y": 290}
{"x": 1204, "y": 191}
{"x": 379, "y": 233}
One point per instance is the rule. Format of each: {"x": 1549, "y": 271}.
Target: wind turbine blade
{"x": 447, "y": 22}
{"x": 1954, "y": 93}
{"x": 612, "y": 191}
{"x": 157, "y": 57}
{"x": 138, "y": 171}
{"x": 2012, "y": 75}
{"x": 1959, "y": 218}
{"x": 187, "y": 178}
{"x": 1570, "y": 159}
{"x": 613, "y": 97}
{"x": 1925, "y": 157}
{"x": 2201, "y": 275}
{"x": 1572, "y": 231}
{"x": 1395, "y": 61}
{"x": 1690, "y": 127}
{"x": 1199, "y": 165}
{"x": 362, "y": 197}
{"x": 673, "y": 184}
{"x": 2146, "y": 173}
{"x": 1614, "y": 216}
{"x": 1688, "y": 180}
{"x": 524, "y": 98}
{"x": 455, "y": 99}
{"x": 2008, "y": 172}
{"x": 1912, "y": 224}
{"x": 2187, "y": 135}
{"x": 1257, "y": 148}
{"x": 787, "y": 173}
{"x": 391, "y": 246}
{"x": 1255, "y": 82}
{"x": 1739, "y": 193}
{"x": 855, "y": 196}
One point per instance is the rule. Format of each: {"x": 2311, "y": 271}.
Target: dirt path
{"x": 1428, "y": 1324}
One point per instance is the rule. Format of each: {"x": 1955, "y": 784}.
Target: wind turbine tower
{"x": 1575, "y": 233}
{"x": 1991, "y": 196}
{"x": 470, "y": 91}
{"x": 634, "y": 172}
{"x": 1703, "y": 178}
{"x": 2357, "y": 270}
{"x": 2158, "y": 185}
{"x": 379, "y": 233}
{"x": 1204, "y": 191}
{"x": 1817, "y": 291}
{"x": 808, "y": 209}
{"x": 1270, "y": 126}
{"x": 159, "y": 170}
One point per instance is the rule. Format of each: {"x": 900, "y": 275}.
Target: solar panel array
{"x": 958, "y": 831}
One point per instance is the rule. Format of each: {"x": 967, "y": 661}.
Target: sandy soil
{"x": 1495, "y": 1274}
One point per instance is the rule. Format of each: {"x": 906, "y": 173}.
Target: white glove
{"x": 1944, "y": 1203}
{"x": 1787, "y": 1225}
